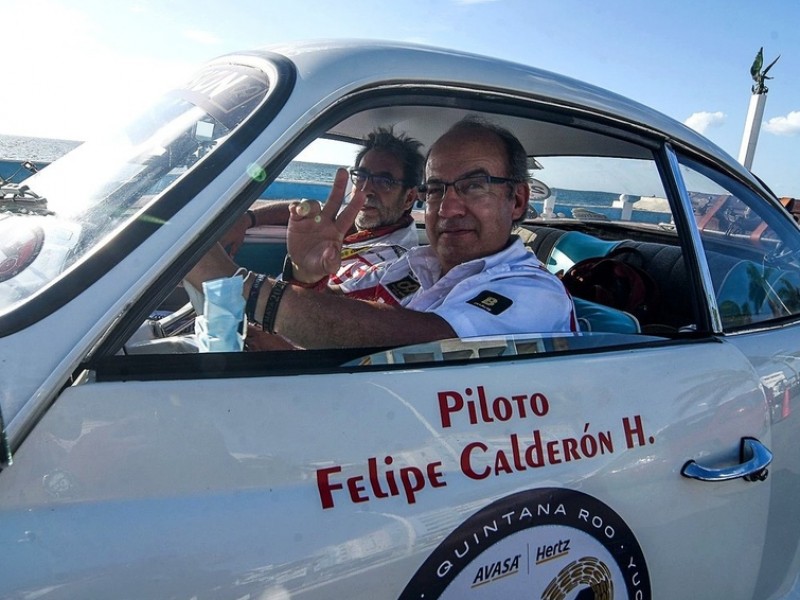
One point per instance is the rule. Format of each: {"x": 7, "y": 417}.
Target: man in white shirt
{"x": 476, "y": 297}
{"x": 475, "y": 278}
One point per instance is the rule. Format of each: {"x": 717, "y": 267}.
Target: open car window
{"x": 607, "y": 200}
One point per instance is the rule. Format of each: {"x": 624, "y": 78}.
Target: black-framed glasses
{"x": 360, "y": 177}
{"x": 472, "y": 187}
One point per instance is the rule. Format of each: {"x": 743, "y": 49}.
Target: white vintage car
{"x": 652, "y": 454}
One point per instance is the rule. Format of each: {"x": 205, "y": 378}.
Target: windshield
{"x": 67, "y": 210}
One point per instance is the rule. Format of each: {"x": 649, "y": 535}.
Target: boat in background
{"x": 16, "y": 171}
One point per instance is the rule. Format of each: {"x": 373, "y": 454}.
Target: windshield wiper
{"x": 20, "y": 199}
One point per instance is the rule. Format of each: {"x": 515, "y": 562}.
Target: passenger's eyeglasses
{"x": 360, "y": 177}
{"x": 473, "y": 187}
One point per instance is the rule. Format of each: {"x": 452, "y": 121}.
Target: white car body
{"x": 502, "y": 471}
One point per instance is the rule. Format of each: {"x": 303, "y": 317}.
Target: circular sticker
{"x": 20, "y": 243}
{"x": 547, "y": 543}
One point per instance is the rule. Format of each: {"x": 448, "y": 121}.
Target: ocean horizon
{"x": 19, "y": 148}
{"x": 15, "y": 148}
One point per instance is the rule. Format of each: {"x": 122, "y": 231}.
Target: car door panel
{"x": 301, "y": 483}
{"x": 775, "y": 356}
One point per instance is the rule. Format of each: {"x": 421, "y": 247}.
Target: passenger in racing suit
{"x": 475, "y": 278}
{"x": 388, "y": 168}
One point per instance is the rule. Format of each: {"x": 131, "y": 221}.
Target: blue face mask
{"x": 221, "y": 327}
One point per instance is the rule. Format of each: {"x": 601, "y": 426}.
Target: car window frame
{"x": 486, "y": 102}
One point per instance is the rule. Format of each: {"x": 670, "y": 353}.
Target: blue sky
{"x": 70, "y": 61}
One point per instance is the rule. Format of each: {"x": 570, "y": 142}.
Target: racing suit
{"x": 366, "y": 253}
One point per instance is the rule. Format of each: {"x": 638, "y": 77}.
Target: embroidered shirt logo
{"x": 403, "y": 287}
{"x": 491, "y": 302}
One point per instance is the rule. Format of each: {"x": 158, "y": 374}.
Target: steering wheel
{"x": 782, "y": 256}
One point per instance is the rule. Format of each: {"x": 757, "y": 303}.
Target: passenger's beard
{"x": 373, "y": 220}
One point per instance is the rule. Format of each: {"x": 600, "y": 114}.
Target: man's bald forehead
{"x": 488, "y": 143}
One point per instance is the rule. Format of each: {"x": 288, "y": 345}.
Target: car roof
{"x": 353, "y": 64}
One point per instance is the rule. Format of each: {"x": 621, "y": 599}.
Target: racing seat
{"x": 559, "y": 250}
{"x": 594, "y": 317}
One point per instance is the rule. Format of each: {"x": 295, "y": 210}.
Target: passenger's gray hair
{"x": 406, "y": 149}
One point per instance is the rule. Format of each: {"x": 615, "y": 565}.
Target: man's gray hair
{"x": 516, "y": 156}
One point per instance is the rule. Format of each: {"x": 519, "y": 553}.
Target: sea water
{"x": 17, "y": 149}
{"x": 44, "y": 150}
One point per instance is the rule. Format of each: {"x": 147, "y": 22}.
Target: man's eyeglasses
{"x": 473, "y": 187}
{"x": 382, "y": 183}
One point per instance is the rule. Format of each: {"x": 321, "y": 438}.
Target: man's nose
{"x": 369, "y": 187}
{"x": 452, "y": 203}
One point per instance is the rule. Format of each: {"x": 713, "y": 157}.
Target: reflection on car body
{"x": 502, "y": 466}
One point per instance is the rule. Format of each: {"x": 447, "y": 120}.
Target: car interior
{"x": 606, "y": 196}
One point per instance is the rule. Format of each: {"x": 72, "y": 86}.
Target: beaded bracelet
{"x": 271, "y": 309}
{"x": 252, "y": 297}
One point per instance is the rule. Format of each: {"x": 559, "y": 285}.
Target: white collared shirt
{"x": 509, "y": 292}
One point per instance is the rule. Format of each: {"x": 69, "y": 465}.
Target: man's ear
{"x": 411, "y": 197}
{"x": 522, "y": 193}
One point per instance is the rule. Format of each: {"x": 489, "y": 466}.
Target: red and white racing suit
{"x": 367, "y": 253}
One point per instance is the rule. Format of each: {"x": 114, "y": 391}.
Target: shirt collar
{"x": 428, "y": 270}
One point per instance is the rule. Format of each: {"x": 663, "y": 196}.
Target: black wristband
{"x": 252, "y": 297}
{"x": 271, "y": 309}
{"x": 252, "y": 215}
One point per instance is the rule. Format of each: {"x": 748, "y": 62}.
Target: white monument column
{"x": 752, "y": 127}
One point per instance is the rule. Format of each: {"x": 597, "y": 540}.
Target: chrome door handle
{"x": 754, "y": 457}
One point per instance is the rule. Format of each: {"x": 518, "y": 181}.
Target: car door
{"x": 758, "y": 303}
{"x": 494, "y": 475}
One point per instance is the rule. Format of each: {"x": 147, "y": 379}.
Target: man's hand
{"x": 258, "y": 340}
{"x": 315, "y": 234}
